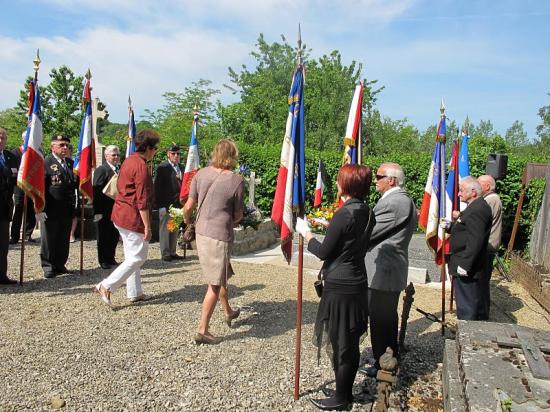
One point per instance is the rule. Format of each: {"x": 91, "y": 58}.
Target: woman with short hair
{"x": 342, "y": 317}
{"x": 132, "y": 217}
{"x": 218, "y": 193}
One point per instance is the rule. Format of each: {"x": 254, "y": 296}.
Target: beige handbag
{"x": 110, "y": 188}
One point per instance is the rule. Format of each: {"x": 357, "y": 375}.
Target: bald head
{"x": 487, "y": 183}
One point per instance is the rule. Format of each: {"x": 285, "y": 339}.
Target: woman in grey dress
{"x": 218, "y": 193}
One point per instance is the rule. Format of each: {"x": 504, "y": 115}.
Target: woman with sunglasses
{"x": 132, "y": 217}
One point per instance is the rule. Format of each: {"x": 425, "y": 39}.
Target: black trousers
{"x": 54, "y": 244}
{"x": 345, "y": 360}
{"x": 485, "y": 304}
{"x": 107, "y": 239}
{"x": 17, "y": 219}
{"x": 4, "y": 246}
{"x": 383, "y": 322}
{"x": 470, "y": 295}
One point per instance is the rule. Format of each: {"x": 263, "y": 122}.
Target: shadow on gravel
{"x": 191, "y": 293}
{"x": 71, "y": 284}
{"x": 268, "y": 319}
{"x": 503, "y": 303}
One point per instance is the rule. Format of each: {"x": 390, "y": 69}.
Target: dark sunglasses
{"x": 380, "y": 177}
{"x": 63, "y": 144}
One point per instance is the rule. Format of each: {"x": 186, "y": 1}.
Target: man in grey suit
{"x": 387, "y": 259}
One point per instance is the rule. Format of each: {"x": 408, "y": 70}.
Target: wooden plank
{"x": 538, "y": 365}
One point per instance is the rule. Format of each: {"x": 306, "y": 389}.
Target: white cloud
{"x": 123, "y": 63}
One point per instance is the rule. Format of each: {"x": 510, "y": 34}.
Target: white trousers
{"x": 135, "y": 255}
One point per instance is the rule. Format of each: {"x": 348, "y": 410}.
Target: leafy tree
{"x": 173, "y": 121}
{"x": 14, "y": 121}
{"x": 261, "y": 113}
{"x": 516, "y": 136}
{"x": 543, "y": 129}
{"x": 61, "y": 102}
{"x": 484, "y": 129}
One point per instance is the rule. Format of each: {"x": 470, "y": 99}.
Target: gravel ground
{"x": 59, "y": 345}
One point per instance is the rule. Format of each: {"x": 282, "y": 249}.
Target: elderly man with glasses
{"x": 167, "y": 190}
{"x": 387, "y": 259}
{"x": 107, "y": 234}
{"x": 59, "y": 209}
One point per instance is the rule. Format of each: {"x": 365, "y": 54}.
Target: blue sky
{"x": 489, "y": 60}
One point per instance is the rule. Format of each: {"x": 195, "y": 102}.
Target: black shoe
{"x": 105, "y": 265}
{"x": 167, "y": 258}
{"x": 50, "y": 275}
{"x": 330, "y": 393}
{"x": 31, "y": 240}
{"x": 66, "y": 271}
{"x": 370, "y": 371}
{"x": 7, "y": 281}
{"x": 14, "y": 241}
{"x": 177, "y": 257}
{"x": 113, "y": 263}
{"x": 330, "y": 404}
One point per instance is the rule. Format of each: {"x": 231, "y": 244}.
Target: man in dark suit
{"x": 167, "y": 190}
{"x": 19, "y": 197}
{"x": 468, "y": 252}
{"x": 59, "y": 209}
{"x": 107, "y": 235}
{"x": 8, "y": 179}
{"x": 387, "y": 259}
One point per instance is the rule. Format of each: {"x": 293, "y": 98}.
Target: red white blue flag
{"x": 30, "y": 177}
{"x": 320, "y": 185}
{"x": 85, "y": 158}
{"x": 290, "y": 192}
{"x": 433, "y": 202}
{"x": 130, "y": 144}
{"x": 352, "y": 140}
{"x": 193, "y": 160}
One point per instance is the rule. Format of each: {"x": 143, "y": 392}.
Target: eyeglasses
{"x": 380, "y": 177}
{"x": 63, "y": 144}
{"x": 114, "y": 154}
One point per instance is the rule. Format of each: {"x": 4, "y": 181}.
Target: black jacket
{"x": 347, "y": 240}
{"x": 60, "y": 188}
{"x": 8, "y": 180}
{"x": 469, "y": 237}
{"x": 102, "y": 204}
{"x": 167, "y": 186}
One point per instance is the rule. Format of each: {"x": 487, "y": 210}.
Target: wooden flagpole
{"x": 36, "y": 62}
{"x": 81, "y": 234}
{"x": 299, "y": 317}
{"x": 442, "y": 168}
{"x": 300, "y": 277}
{"x": 24, "y": 227}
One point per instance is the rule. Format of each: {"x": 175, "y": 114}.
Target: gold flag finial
{"x": 88, "y": 74}
{"x": 36, "y": 62}
{"x": 442, "y": 107}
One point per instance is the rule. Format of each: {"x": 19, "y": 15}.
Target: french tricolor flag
{"x": 319, "y": 185}
{"x": 130, "y": 144}
{"x": 433, "y": 202}
{"x": 30, "y": 177}
{"x": 85, "y": 158}
{"x": 290, "y": 190}
{"x": 352, "y": 140}
{"x": 193, "y": 160}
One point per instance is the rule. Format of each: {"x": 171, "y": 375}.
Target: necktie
{"x": 2, "y": 160}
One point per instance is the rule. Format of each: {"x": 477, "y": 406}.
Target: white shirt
{"x": 387, "y": 192}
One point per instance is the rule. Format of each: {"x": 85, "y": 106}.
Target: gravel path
{"x": 59, "y": 345}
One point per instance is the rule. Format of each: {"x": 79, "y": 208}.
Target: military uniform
{"x": 60, "y": 209}
{"x": 8, "y": 179}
